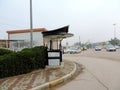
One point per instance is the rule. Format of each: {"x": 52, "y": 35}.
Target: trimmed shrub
{"x": 40, "y": 56}
{"x": 23, "y": 61}
{"x": 5, "y": 51}
{"x": 11, "y": 65}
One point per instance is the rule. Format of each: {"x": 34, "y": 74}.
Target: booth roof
{"x": 59, "y": 36}
{"x": 63, "y": 30}
{"x": 59, "y": 33}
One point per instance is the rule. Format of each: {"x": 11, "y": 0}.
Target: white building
{"x": 21, "y": 38}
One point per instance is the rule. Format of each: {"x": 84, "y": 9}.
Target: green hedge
{"x": 4, "y": 51}
{"x": 24, "y": 61}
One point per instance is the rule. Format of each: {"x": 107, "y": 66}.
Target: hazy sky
{"x": 91, "y": 20}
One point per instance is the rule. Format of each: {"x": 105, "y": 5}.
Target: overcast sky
{"x": 91, "y": 20}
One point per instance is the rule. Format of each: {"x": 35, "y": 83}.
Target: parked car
{"x": 110, "y": 48}
{"x": 117, "y": 47}
{"x": 72, "y": 51}
{"x": 98, "y": 48}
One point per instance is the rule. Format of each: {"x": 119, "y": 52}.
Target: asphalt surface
{"x": 101, "y": 71}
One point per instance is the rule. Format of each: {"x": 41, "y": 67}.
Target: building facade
{"x": 21, "y": 38}
{"x": 3, "y": 43}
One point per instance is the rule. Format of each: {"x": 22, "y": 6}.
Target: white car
{"x": 98, "y": 48}
{"x": 117, "y": 47}
{"x": 72, "y": 51}
{"x": 110, "y": 48}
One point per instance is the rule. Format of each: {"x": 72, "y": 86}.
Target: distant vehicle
{"x": 110, "y": 48}
{"x": 72, "y": 51}
{"x": 117, "y": 47}
{"x": 98, "y": 48}
{"x": 84, "y": 48}
{"x": 66, "y": 51}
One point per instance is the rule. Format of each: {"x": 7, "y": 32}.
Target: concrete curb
{"x": 57, "y": 81}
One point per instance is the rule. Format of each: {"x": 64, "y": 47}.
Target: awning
{"x": 59, "y": 33}
{"x": 59, "y": 36}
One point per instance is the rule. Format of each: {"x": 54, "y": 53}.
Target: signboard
{"x": 53, "y": 54}
{"x": 54, "y": 62}
{"x": 54, "y": 58}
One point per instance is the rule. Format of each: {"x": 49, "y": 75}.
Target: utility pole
{"x": 79, "y": 42}
{"x": 31, "y": 25}
{"x": 114, "y": 30}
{"x": 114, "y": 34}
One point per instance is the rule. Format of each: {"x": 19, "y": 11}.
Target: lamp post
{"x": 31, "y": 25}
{"x": 114, "y": 30}
{"x": 114, "y": 33}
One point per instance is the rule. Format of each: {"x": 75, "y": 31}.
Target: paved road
{"x": 101, "y": 71}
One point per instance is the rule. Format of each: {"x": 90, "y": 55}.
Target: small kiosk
{"x": 52, "y": 40}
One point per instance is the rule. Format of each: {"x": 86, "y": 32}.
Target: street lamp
{"x": 114, "y": 30}
{"x": 115, "y": 42}
{"x": 31, "y": 25}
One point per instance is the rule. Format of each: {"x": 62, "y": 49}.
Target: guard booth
{"x": 52, "y": 40}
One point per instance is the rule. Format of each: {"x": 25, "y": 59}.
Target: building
{"x": 3, "y": 43}
{"x": 18, "y": 39}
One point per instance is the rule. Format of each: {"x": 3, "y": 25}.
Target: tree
{"x": 114, "y": 41}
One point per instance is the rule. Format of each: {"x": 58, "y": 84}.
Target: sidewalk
{"x": 39, "y": 79}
